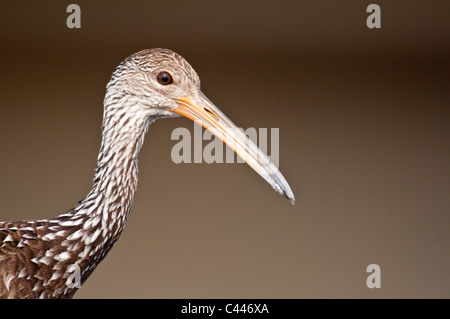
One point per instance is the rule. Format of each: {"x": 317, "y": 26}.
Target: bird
{"x": 52, "y": 258}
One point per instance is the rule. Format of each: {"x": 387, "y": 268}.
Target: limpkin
{"x": 39, "y": 257}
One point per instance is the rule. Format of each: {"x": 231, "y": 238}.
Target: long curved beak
{"x": 198, "y": 108}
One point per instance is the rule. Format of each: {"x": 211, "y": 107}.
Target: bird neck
{"x": 83, "y": 236}
{"x": 116, "y": 175}
{"x": 102, "y": 214}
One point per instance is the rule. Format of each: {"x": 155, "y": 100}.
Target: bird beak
{"x": 199, "y": 109}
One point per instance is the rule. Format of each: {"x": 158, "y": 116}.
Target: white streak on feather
{"x": 49, "y": 236}
{"x": 8, "y": 280}
{"x": 62, "y": 256}
{"x": 71, "y": 222}
{"x": 76, "y": 235}
{"x": 22, "y": 273}
{"x": 45, "y": 260}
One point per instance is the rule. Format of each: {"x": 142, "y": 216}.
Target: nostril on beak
{"x": 210, "y": 112}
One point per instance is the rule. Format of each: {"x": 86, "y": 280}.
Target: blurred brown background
{"x": 364, "y": 143}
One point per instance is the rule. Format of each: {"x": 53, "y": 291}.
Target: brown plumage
{"x": 52, "y": 258}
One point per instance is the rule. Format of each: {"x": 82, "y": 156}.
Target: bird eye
{"x": 164, "y": 78}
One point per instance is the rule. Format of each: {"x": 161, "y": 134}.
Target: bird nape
{"x": 52, "y": 258}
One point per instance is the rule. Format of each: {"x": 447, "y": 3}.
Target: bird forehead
{"x": 157, "y": 60}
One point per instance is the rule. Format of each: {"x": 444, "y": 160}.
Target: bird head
{"x": 160, "y": 83}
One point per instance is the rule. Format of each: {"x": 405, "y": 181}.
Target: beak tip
{"x": 283, "y": 188}
{"x": 291, "y": 198}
